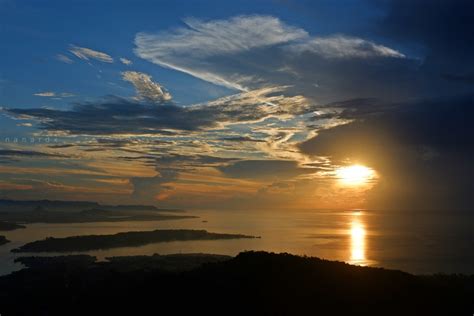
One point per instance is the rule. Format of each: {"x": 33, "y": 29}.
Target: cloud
{"x": 241, "y": 139}
{"x": 217, "y": 37}
{"x": 45, "y": 94}
{"x": 339, "y": 46}
{"x": 254, "y": 52}
{"x": 64, "y": 59}
{"x": 114, "y": 115}
{"x": 180, "y": 48}
{"x": 8, "y": 153}
{"x": 168, "y": 168}
{"x": 146, "y": 89}
{"x": 25, "y": 124}
{"x": 446, "y": 52}
{"x": 87, "y": 54}
{"x": 52, "y": 94}
{"x": 286, "y": 129}
{"x": 151, "y": 189}
{"x": 126, "y": 61}
{"x": 421, "y": 149}
{"x": 5, "y": 186}
{"x": 467, "y": 78}
{"x": 264, "y": 169}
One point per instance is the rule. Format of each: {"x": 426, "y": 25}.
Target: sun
{"x": 355, "y": 174}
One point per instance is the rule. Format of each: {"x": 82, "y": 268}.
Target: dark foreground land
{"x": 253, "y": 283}
{"x": 126, "y": 239}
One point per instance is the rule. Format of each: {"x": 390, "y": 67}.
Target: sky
{"x": 239, "y": 104}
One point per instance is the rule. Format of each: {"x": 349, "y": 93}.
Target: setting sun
{"x": 354, "y": 175}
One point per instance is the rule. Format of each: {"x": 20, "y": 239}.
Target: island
{"x": 125, "y": 239}
{"x": 252, "y": 283}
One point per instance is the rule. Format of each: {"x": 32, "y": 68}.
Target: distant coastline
{"x": 86, "y": 216}
{"x": 30, "y": 205}
{"x": 46, "y": 211}
{"x": 8, "y": 226}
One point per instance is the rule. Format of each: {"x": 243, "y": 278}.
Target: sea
{"x": 421, "y": 242}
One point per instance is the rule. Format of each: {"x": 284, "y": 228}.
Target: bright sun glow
{"x": 354, "y": 175}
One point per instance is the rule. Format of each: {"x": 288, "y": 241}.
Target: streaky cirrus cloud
{"x": 52, "y": 94}
{"x": 340, "y": 46}
{"x": 63, "y": 58}
{"x": 146, "y": 88}
{"x": 87, "y": 54}
{"x": 180, "y": 48}
{"x": 251, "y": 52}
{"x": 45, "y": 94}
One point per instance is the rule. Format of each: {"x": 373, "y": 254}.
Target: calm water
{"x": 422, "y": 242}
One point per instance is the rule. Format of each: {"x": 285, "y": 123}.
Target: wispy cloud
{"x": 146, "y": 88}
{"x": 64, "y": 59}
{"x": 340, "y": 46}
{"x": 178, "y": 48}
{"x": 87, "y": 54}
{"x": 45, "y": 94}
{"x": 52, "y": 94}
{"x": 252, "y": 52}
{"x": 126, "y": 61}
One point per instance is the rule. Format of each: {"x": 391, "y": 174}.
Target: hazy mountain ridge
{"x": 7, "y": 226}
{"x": 30, "y": 205}
{"x": 47, "y": 211}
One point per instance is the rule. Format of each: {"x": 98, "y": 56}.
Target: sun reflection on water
{"x": 357, "y": 236}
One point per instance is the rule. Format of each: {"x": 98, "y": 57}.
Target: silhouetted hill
{"x": 253, "y": 283}
{"x": 173, "y": 262}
